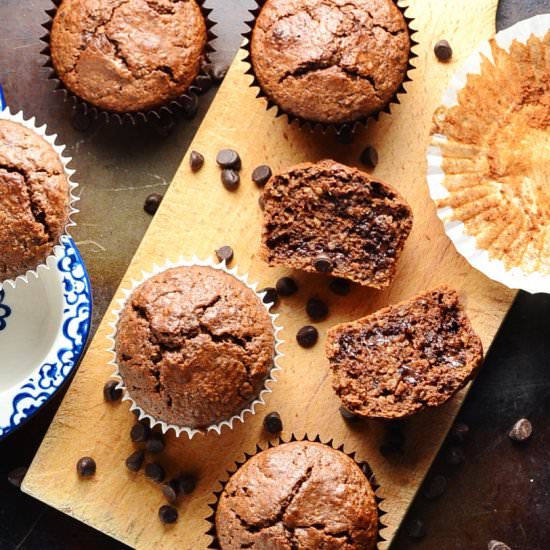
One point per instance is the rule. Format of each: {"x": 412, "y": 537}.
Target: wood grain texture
{"x": 199, "y": 215}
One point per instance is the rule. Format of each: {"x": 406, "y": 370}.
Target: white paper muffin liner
{"x": 465, "y": 243}
{"x": 251, "y": 408}
{"x": 57, "y": 251}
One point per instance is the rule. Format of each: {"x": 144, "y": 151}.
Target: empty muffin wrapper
{"x": 251, "y": 408}
{"x": 489, "y": 218}
{"x": 57, "y": 251}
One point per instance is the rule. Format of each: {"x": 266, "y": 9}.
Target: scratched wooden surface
{"x": 196, "y": 217}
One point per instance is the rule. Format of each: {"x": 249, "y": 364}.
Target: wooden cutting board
{"x": 197, "y": 216}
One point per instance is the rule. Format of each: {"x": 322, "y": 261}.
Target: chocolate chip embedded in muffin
{"x": 358, "y": 225}
{"x": 34, "y": 199}
{"x": 405, "y": 357}
{"x": 329, "y": 61}
{"x": 298, "y": 495}
{"x": 128, "y": 55}
{"x": 194, "y": 346}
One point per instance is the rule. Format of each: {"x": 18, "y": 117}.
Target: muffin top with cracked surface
{"x": 128, "y": 55}
{"x": 330, "y": 61}
{"x": 298, "y": 495}
{"x": 34, "y": 199}
{"x": 194, "y": 346}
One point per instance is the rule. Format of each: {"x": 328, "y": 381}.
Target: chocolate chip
{"x": 497, "y": 545}
{"x": 339, "y": 286}
{"x": 521, "y": 430}
{"x": 347, "y": 415}
{"x": 459, "y": 432}
{"x": 455, "y": 456}
{"x": 322, "y": 264}
{"x": 203, "y": 82}
{"x": 218, "y": 72}
{"x": 168, "y": 514}
{"x": 16, "y": 476}
{"x": 225, "y": 253}
{"x": 152, "y": 203}
{"x": 135, "y": 461}
{"x": 369, "y": 156}
{"x": 443, "y": 50}
{"x": 271, "y": 295}
{"x": 415, "y": 529}
{"x": 155, "y": 472}
{"x": 80, "y": 120}
{"x": 110, "y": 391}
{"x": 140, "y": 432}
{"x": 286, "y": 286}
{"x": 229, "y": 158}
{"x": 187, "y": 483}
{"x": 196, "y": 161}
{"x": 170, "y": 490}
{"x": 261, "y": 203}
{"x": 436, "y": 488}
{"x": 316, "y": 309}
{"x": 86, "y": 466}
{"x": 230, "y": 179}
{"x": 307, "y": 336}
{"x": 261, "y": 175}
{"x": 273, "y": 423}
{"x": 189, "y": 104}
{"x": 155, "y": 443}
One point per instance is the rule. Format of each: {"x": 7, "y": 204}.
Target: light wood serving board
{"x": 197, "y": 216}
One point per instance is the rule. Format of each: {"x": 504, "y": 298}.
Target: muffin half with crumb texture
{"x": 194, "y": 346}
{"x": 405, "y": 357}
{"x": 34, "y": 199}
{"x": 332, "y": 218}
{"x": 298, "y": 495}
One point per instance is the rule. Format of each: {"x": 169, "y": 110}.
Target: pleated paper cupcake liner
{"x": 184, "y": 104}
{"x": 57, "y": 251}
{"x": 250, "y": 409}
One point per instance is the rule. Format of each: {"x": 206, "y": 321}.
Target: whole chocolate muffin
{"x": 405, "y": 357}
{"x": 298, "y": 495}
{"x": 128, "y": 55}
{"x": 330, "y": 61}
{"x": 34, "y": 199}
{"x": 194, "y": 346}
{"x": 335, "y": 219}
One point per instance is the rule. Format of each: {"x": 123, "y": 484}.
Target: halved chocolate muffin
{"x": 334, "y": 219}
{"x": 405, "y": 357}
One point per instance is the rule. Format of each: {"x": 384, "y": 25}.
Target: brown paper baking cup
{"x": 170, "y": 110}
{"x": 341, "y": 129}
{"x": 42, "y": 131}
{"x": 250, "y": 409}
{"x": 364, "y": 466}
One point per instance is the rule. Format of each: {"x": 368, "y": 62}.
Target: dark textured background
{"x": 501, "y": 492}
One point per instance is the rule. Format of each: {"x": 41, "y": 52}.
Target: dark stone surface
{"x": 501, "y": 491}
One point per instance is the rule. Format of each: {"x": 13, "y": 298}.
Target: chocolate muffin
{"x": 335, "y": 219}
{"x": 330, "y": 61}
{"x": 34, "y": 199}
{"x": 298, "y": 495}
{"x": 194, "y": 346}
{"x": 405, "y": 357}
{"x": 128, "y": 55}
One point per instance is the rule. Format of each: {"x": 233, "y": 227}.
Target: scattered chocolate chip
{"x": 436, "y": 488}
{"x": 189, "y": 104}
{"x": 16, "y": 476}
{"x": 273, "y": 423}
{"x": 225, "y": 253}
{"x": 455, "y": 456}
{"x": 230, "y": 179}
{"x": 521, "y": 430}
{"x": 152, "y": 203}
{"x": 155, "y": 472}
{"x": 203, "y": 82}
{"x": 135, "y": 461}
{"x": 110, "y": 391}
{"x": 286, "y": 286}
{"x": 415, "y": 529}
{"x": 170, "y": 490}
{"x": 168, "y": 514}
{"x": 80, "y": 120}
{"x": 459, "y": 432}
{"x": 347, "y": 415}
{"x": 497, "y": 545}
{"x": 261, "y": 203}
{"x": 86, "y": 466}
{"x": 140, "y": 432}
{"x": 443, "y": 50}
{"x": 316, "y": 309}
{"x": 187, "y": 483}
{"x": 218, "y": 72}
{"x": 271, "y": 295}
{"x": 339, "y": 286}
{"x": 196, "y": 161}
{"x": 307, "y": 336}
{"x": 155, "y": 443}
{"x": 261, "y": 175}
{"x": 229, "y": 158}
{"x": 369, "y": 156}
{"x": 322, "y": 264}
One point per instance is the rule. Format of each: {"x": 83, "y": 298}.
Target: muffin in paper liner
{"x": 270, "y": 378}
{"x": 343, "y": 129}
{"x": 57, "y": 250}
{"x": 363, "y": 465}
{"x": 184, "y": 104}
{"x": 488, "y": 160}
